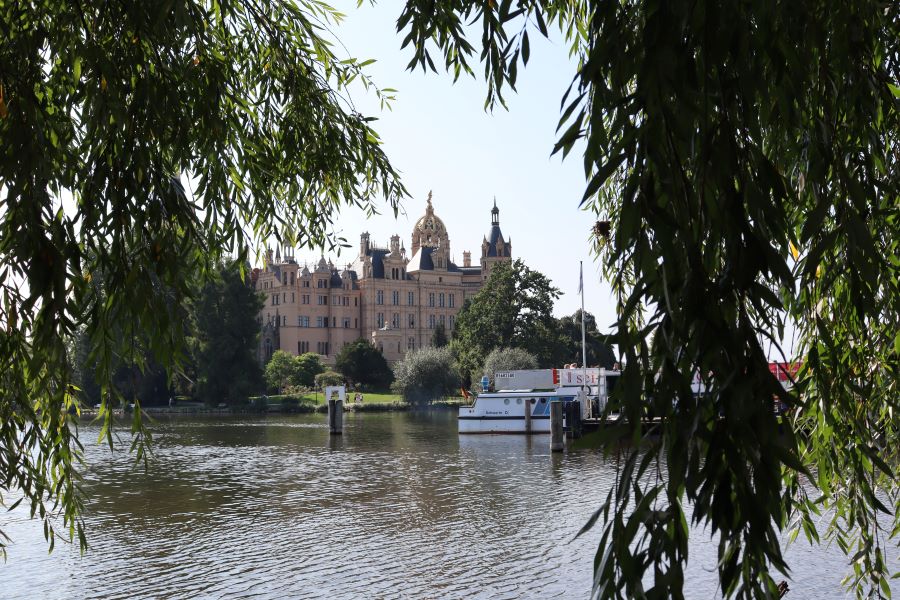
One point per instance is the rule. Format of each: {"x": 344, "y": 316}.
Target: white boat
{"x": 528, "y": 410}
{"x": 510, "y": 411}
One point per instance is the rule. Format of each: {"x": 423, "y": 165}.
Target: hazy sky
{"x": 441, "y": 139}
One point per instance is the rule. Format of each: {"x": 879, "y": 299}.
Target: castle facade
{"x": 390, "y": 297}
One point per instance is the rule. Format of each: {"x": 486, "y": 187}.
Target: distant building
{"x": 385, "y": 296}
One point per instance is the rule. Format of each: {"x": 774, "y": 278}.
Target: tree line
{"x": 219, "y": 364}
{"x": 508, "y": 324}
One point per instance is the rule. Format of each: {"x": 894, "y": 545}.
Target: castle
{"x": 393, "y": 299}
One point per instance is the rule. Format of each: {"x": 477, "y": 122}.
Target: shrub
{"x": 287, "y": 402}
{"x": 379, "y": 407}
{"x": 425, "y": 375}
{"x": 328, "y": 378}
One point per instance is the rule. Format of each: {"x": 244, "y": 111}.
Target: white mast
{"x": 583, "y": 345}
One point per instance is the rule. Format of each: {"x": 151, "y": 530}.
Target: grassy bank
{"x": 298, "y": 403}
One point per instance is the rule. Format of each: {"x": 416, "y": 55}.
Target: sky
{"x": 440, "y": 138}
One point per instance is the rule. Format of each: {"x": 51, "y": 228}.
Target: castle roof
{"x": 494, "y": 236}
{"x": 377, "y": 255}
{"x": 422, "y": 261}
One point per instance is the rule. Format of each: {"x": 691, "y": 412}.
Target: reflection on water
{"x": 399, "y": 506}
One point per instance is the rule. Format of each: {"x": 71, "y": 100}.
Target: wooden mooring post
{"x": 556, "y": 426}
{"x": 528, "y": 408}
{"x": 572, "y": 410}
{"x": 335, "y": 408}
{"x": 335, "y": 416}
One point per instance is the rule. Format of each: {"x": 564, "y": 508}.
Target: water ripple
{"x": 400, "y": 506}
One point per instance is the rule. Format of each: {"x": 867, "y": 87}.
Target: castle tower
{"x": 363, "y": 244}
{"x": 494, "y": 248}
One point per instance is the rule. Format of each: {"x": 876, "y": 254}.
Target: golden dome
{"x": 429, "y": 230}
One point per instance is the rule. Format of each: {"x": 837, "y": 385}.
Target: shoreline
{"x": 277, "y": 409}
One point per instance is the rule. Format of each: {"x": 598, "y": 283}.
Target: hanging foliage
{"x": 742, "y": 159}
{"x": 107, "y": 111}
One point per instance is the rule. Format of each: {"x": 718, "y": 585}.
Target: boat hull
{"x": 502, "y": 425}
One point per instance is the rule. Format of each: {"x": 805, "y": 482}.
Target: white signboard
{"x": 340, "y": 390}
{"x": 533, "y": 379}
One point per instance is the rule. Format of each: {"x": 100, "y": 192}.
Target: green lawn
{"x": 373, "y": 398}
{"x": 368, "y": 397}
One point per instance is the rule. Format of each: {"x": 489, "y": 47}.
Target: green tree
{"x": 136, "y": 377}
{"x": 136, "y": 374}
{"x": 105, "y": 109}
{"x": 439, "y": 336}
{"x": 513, "y": 310}
{"x": 83, "y": 370}
{"x": 281, "y": 372}
{"x": 506, "y": 359}
{"x": 361, "y": 362}
{"x": 309, "y": 365}
{"x": 599, "y": 353}
{"x": 742, "y": 161}
{"x": 227, "y": 335}
{"x": 425, "y": 375}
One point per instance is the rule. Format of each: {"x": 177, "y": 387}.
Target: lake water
{"x": 400, "y": 506}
